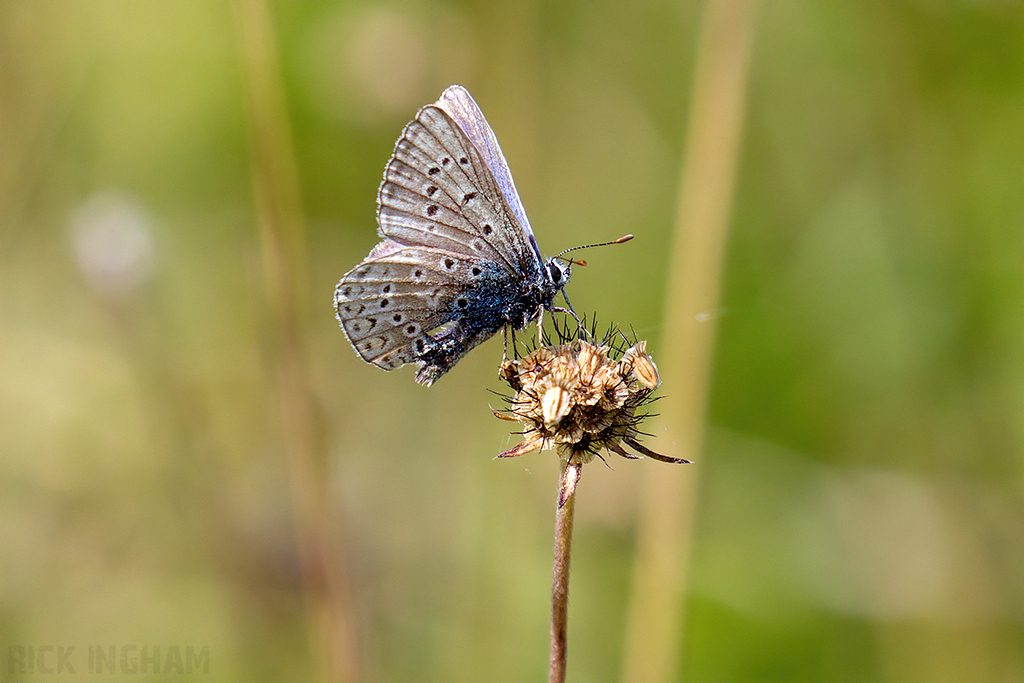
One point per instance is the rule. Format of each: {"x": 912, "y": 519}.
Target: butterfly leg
{"x": 504, "y": 353}
{"x": 579, "y": 324}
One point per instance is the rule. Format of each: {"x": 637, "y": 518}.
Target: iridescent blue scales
{"x": 458, "y": 260}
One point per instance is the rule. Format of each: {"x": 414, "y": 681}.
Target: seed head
{"x": 580, "y": 398}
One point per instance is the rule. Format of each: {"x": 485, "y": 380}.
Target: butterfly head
{"x": 559, "y": 269}
{"x": 552, "y": 280}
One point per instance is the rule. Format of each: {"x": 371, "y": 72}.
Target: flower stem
{"x": 560, "y": 584}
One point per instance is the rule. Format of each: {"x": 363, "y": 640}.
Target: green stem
{"x": 560, "y": 584}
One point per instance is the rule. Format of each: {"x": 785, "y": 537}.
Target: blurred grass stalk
{"x": 654, "y": 625}
{"x": 282, "y": 235}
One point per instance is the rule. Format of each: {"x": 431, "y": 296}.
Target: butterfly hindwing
{"x": 414, "y": 304}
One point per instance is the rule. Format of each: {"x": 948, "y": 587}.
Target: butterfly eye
{"x": 555, "y": 272}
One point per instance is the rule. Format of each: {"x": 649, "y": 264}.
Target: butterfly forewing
{"x": 437, "y": 191}
{"x": 458, "y": 104}
{"x": 483, "y": 194}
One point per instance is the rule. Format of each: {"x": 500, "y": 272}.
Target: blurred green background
{"x": 193, "y": 456}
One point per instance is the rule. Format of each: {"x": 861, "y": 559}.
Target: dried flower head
{"x": 580, "y": 398}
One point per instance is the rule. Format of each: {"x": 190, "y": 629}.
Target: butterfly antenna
{"x": 624, "y": 238}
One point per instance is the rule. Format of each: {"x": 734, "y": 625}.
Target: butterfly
{"x": 458, "y": 260}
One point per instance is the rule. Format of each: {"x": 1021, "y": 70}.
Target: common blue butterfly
{"x": 458, "y": 260}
